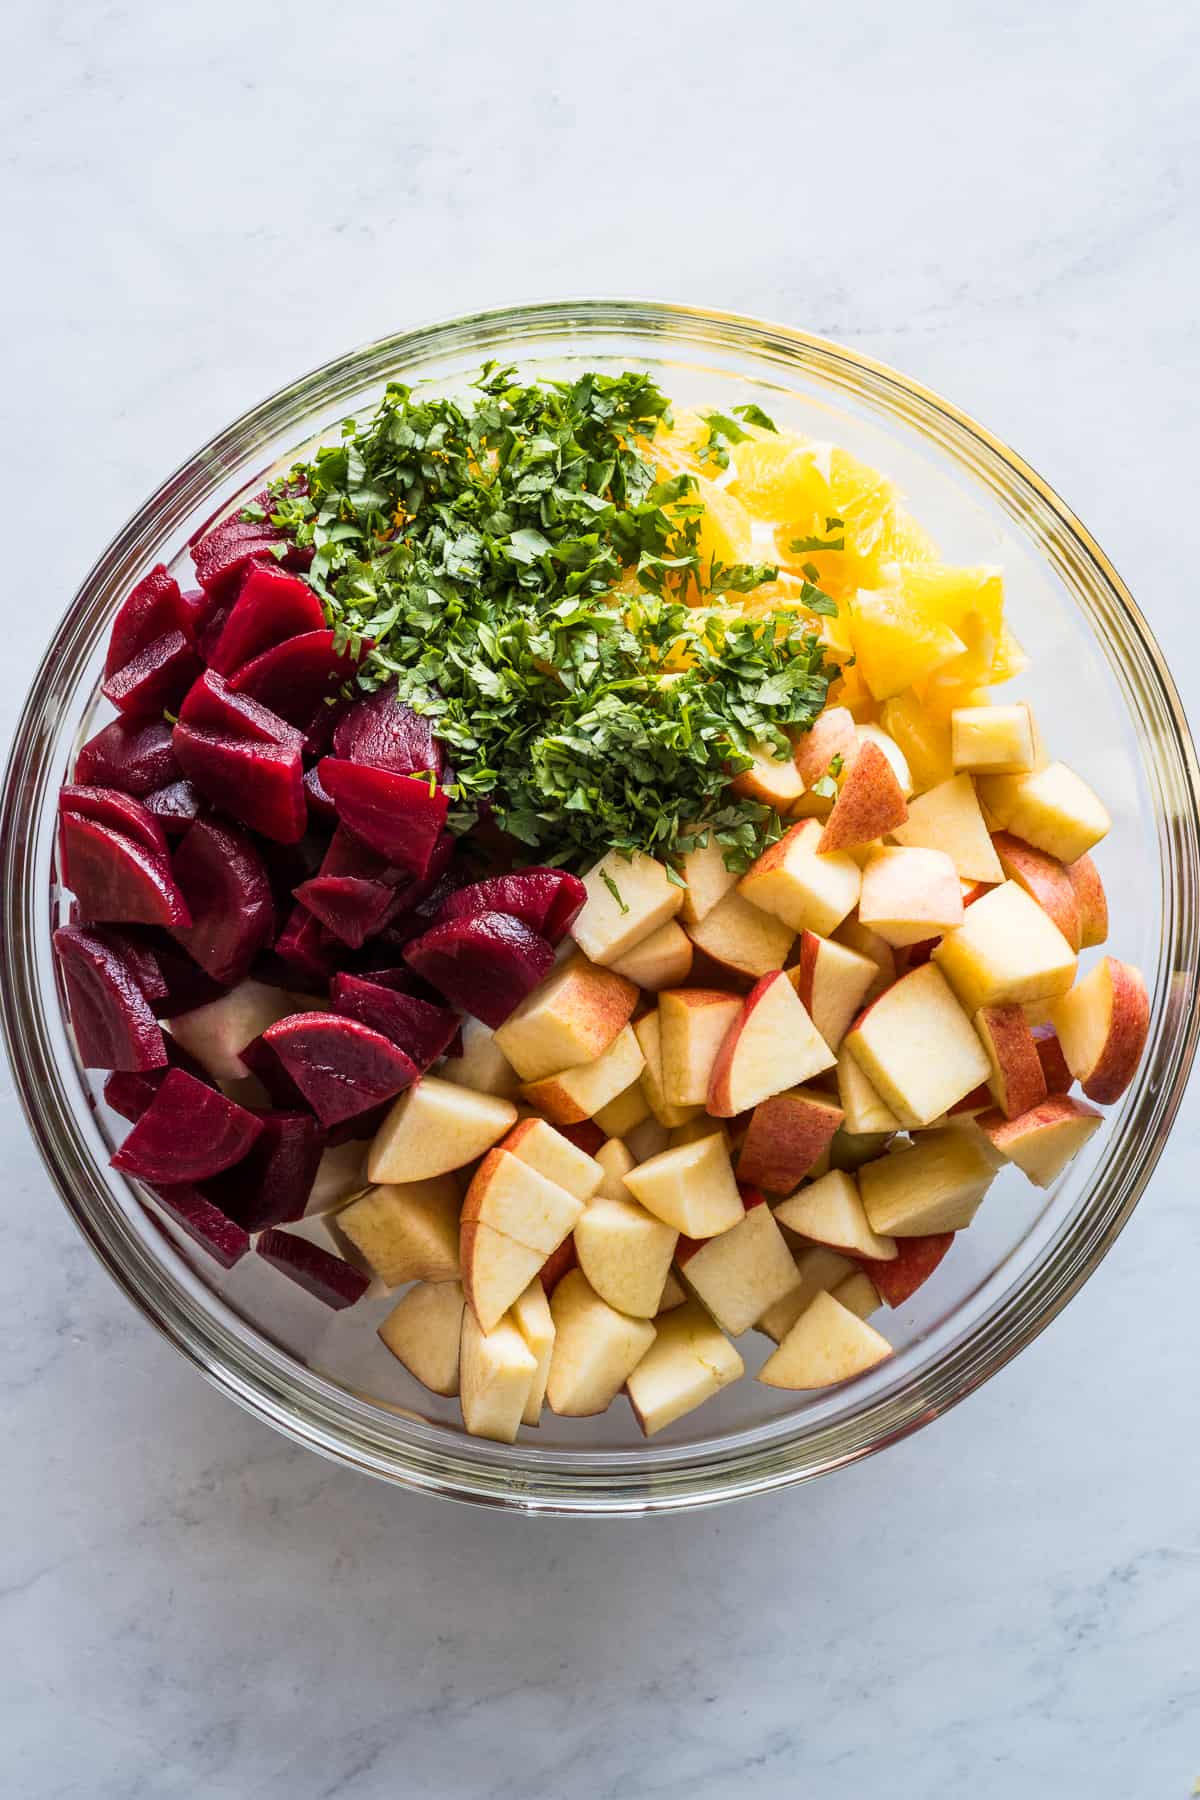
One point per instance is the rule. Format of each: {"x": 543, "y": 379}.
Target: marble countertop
{"x": 210, "y": 199}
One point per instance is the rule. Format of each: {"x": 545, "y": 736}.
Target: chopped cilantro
{"x": 754, "y": 415}
{"x": 722, "y": 432}
{"x": 614, "y": 890}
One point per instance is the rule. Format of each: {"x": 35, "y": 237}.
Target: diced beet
{"x": 346, "y": 854}
{"x": 189, "y": 1132}
{"x": 262, "y": 785}
{"x": 898, "y": 1280}
{"x": 318, "y": 1272}
{"x": 175, "y": 806}
{"x": 397, "y": 815}
{"x": 225, "y": 883}
{"x": 155, "y": 606}
{"x": 301, "y": 945}
{"x": 115, "y": 1027}
{"x": 359, "y": 1126}
{"x": 340, "y": 1066}
{"x": 120, "y": 812}
{"x": 129, "y": 1092}
{"x": 115, "y": 878}
{"x": 319, "y": 733}
{"x": 223, "y": 1238}
{"x": 382, "y": 731}
{"x": 265, "y": 1065}
{"x": 154, "y": 680}
{"x": 272, "y": 1183}
{"x": 352, "y": 907}
{"x": 221, "y": 555}
{"x": 293, "y": 677}
{"x": 271, "y": 605}
{"x": 134, "y": 755}
{"x": 485, "y": 964}
{"x": 549, "y": 900}
{"x": 321, "y": 810}
{"x": 140, "y": 958}
{"x": 210, "y": 704}
{"x": 188, "y": 985}
{"x": 422, "y": 1031}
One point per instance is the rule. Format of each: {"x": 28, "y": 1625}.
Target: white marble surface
{"x": 209, "y": 199}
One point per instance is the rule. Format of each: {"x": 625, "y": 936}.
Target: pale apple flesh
{"x": 827, "y": 1344}
{"x": 743, "y": 1272}
{"x": 689, "y": 1361}
{"x": 833, "y": 983}
{"x": 626, "y": 1253}
{"x": 871, "y": 803}
{"x": 423, "y": 1331}
{"x": 1017, "y": 1080}
{"x": 1102, "y": 1026}
{"x": 596, "y": 1348}
{"x": 1043, "y": 1141}
{"x": 830, "y": 1212}
{"x": 771, "y": 1045}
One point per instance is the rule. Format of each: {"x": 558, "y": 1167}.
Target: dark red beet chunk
{"x": 225, "y": 1240}
{"x": 352, "y": 907}
{"x": 175, "y": 806}
{"x": 187, "y": 984}
{"x": 380, "y": 730}
{"x": 293, "y": 677}
{"x": 128, "y": 754}
{"x": 321, "y": 810}
{"x": 422, "y": 1031}
{"x": 272, "y": 1184}
{"x": 548, "y": 900}
{"x": 485, "y": 964}
{"x": 140, "y": 958}
{"x": 319, "y": 1272}
{"x": 210, "y": 704}
{"x": 301, "y": 945}
{"x": 189, "y": 1132}
{"x": 130, "y": 1093}
{"x": 155, "y": 606}
{"x": 120, "y": 812}
{"x": 262, "y": 785}
{"x": 262, "y": 1061}
{"x": 224, "y": 881}
{"x": 395, "y": 814}
{"x": 271, "y": 605}
{"x": 155, "y": 679}
{"x": 114, "y": 1025}
{"x": 341, "y": 1067}
{"x": 221, "y": 555}
{"x": 115, "y": 878}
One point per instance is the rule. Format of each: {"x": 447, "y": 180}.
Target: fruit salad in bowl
{"x": 567, "y": 863}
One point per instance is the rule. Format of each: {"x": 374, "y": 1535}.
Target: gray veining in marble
{"x": 1003, "y": 201}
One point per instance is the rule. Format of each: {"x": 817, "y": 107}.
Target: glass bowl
{"x": 1107, "y": 705}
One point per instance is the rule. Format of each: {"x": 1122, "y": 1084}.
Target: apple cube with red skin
{"x": 833, "y": 983}
{"x": 571, "y": 1017}
{"x": 786, "y": 1136}
{"x": 1017, "y": 1080}
{"x": 740, "y": 941}
{"x": 1058, "y": 1077}
{"x": 513, "y": 1218}
{"x": 434, "y": 1127}
{"x": 808, "y": 890}
{"x": 693, "y": 1023}
{"x": 870, "y": 805}
{"x": 1051, "y": 808}
{"x": 1044, "y": 880}
{"x": 574, "y": 1095}
{"x": 1102, "y": 1026}
{"x": 1091, "y": 899}
{"x": 832, "y": 734}
{"x": 915, "y": 1261}
{"x": 553, "y": 1154}
{"x": 1044, "y": 1140}
{"x": 917, "y": 1047}
{"x": 771, "y": 1045}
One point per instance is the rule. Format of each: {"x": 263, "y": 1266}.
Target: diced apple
{"x": 1044, "y": 880}
{"x": 856, "y": 936}
{"x": 572, "y": 1018}
{"x": 663, "y": 960}
{"x": 616, "y": 1160}
{"x": 482, "y": 1066}
{"x": 424, "y": 1331}
{"x": 849, "y": 1150}
{"x": 340, "y": 1173}
{"x": 535, "y": 1142}
{"x": 434, "y": 1127}
{"x": 691, "y": 1187}
{"x": 917, "y": 1047}
{"x": 909, "y": 895}
{"x": 948, "y": 818}
{"x": 1059, "y": 1078}
{"x": 1052, "y": 808}
{"x": 1102, "y": 1026}
{"x": 741, "y": 1273}
{"x": 688, "y": 1362}
{"x": 1017, "y": 1081}
{"x": 832, "y": 734}
{"x": 648, "y": 1031}
{"x": 871, "y": 803}
{"x": 883, "y": 740}
{"x": 918, "y": 1257}
{"x": 596, "y": 1348}
{"x": 406, "y": 1233}
{"x": 832, "y": 982}
{"x": 628, "y": 899}
{"x": 626, "y": 1112}
{"x": 512, "y": 1220}
{"x": 934, "y": 1184}
{"x": 993, "y": 740}
{"x": 1006, "y": 949}
{"x": 532, "y": 1317}
{"x": 771, "y": 1045}
{"x": 830, "y": 1212}
{"x": 741, "y": 938}
{"x": 771, "y": 779}
{"x": 820, "y": 1271}
{"x": 1043, "y": 1141}
{"x": 647, "y": 1140}
{"x": 497, "y": 1370}
{"x": 863, "y": 1109}
{"x": 858, "y": 1294}
{"x": 708, "y": 880}
{"x": 674, "y": 1294}
{"x": 700, "y": 1127}
{"x": 809, "y": 892}
{"x": 786, "y": 1136}
{"x": 217, "y": 1033}
{"x": 827, "y": 1344}
{"x": 625, "y": 1252}
{"x": 693, "y": 1023}
{"x": 1090, "y": 897}
{"x": 577, "y": 1093}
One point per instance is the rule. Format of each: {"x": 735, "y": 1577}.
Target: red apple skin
{"x": 1128, "y": 1029}
{"x": 898, "y": 1281}
{"x": 1044, "y": 880}
{"x": 559, "y": 1263}
{"x": 1059, "y": 1079}
{"x": 1084, "y": 877}
{"x": 976, "y": 892}
{"x": 786, "y": 1135}
{"x": 720, "y": 1103}
{"x": 586, "y": 1136}
{"x": 913, "y": 955}
{"x": 870, "y": 804}
{"x": 980, "y": 1099}
{"x": 1021, "y": 1083}
{"x": 1053, "y": 1110}
{"x": 833, "y": 734}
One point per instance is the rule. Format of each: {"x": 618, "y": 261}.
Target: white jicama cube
{"x": 628, "y": 898}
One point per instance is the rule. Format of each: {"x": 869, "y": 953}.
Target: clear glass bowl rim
{"x": 406, "y": 1451}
